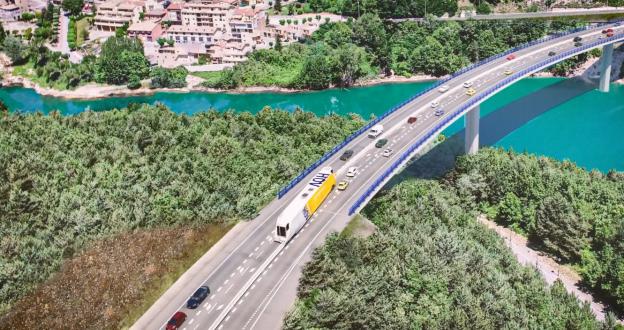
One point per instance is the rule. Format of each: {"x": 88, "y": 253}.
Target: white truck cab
{"x": 375, "y": 131}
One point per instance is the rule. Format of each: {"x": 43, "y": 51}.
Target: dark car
{"x": 578, "y": 44}
{"x": 577, "y": 39}
{"x": 411, "y": 120}
{"x": 176, "y": 321}
{"x": 346, "y": 155}
{"x": 552, "y": 53}
{"x": 381, "y": 143}
{"x": 198, "y": 297}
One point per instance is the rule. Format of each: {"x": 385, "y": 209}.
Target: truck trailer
{"x": 297, "y": 213}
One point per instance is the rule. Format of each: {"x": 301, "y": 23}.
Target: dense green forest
{"x": 385, "y": 8}
{"x": 339, "y": 54}
{"x": 430, "y": 265}
{"x": 65, "y": 181}
{"x": 573, "y": 214}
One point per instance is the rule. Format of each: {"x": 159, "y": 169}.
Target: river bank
{"x": 94, "y": 91}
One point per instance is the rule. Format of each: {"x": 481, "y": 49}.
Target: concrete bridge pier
{"x": 605, "y": 67}
{"x": 472, "y": 131}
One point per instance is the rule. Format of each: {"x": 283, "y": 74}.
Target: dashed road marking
{"x": 191, "y": 321}
{"x": 219, "y": 289}
{"x": 198, "y": 312}
{"x": 229, "y": 288}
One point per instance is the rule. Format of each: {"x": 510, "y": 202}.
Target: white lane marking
{"x": 262, "y": 243}
{"x": 252, "y": 287}
{"x": 227, "y": 318}
{"x": 212, "y": 297}
{"x": 191, "y": 321}
{"x": 220, "y": 327}
{"x": 232, "y": 275}
{"x": 198, "y": 312}
{"x": 229, "y": 288}
{"x": 252, "y": 270}
{"x": 244, "y": 261}
{"x": 208, "y": 307}
{"x": 219, "y": 289}
{"x": 246, "y": 294}
{"x": 220, "y": 307}
{"x": 256, "y": 249}
{"x": 226, "y": 282}
{"x": 250, "y": 255}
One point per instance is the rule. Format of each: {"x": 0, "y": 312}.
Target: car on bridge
{"x": 578, "y": 44}
{"x": 343, "y": 185}
{"x": 387, "y": 153}
{"x": 198, "y": 297}
{"x": 176, "y": 321}
{"x": 412, "y": 119}
{"x": 352, "y": 171}
{"x": 468, "y": 84}
{"x": 577, "y": 39}
{"x": 439, "y": 113}
{"x": 511, "y": 57}
{"x": 471, "y": 92}
{"x": 444, "y": 88}
{"x": 552, "y": 53}
{"x": 346, "y": 155}
{"x": 508, "y": 71}
{"x": 435, "y": 104}
{"x": 381, "y": 143}
{"x": 610, "y": 34}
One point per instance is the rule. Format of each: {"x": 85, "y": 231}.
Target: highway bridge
{"x": 253, "y": 279}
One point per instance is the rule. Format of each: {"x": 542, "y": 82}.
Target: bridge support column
{"x": 472, "y": 131}
{"x": 605, "y": 67}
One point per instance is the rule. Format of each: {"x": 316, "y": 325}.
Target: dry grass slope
{"x": 113, "y": 281}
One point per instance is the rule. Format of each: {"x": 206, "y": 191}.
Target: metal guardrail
{"x": 373, "y": 122}
{"x": 460, "y": 111}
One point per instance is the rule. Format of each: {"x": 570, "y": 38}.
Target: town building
{"x": 146, "y": 30}
{"x": 192, "y": 34}
{"x": 10, "y": 12}
{"x": 113, "y": 14}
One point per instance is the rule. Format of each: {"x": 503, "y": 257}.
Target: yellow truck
{"x": 297, "y": 213}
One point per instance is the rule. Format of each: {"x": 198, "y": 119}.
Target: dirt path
{"x": 550, "y": 270}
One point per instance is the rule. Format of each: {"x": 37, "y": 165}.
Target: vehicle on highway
{"x": 439, "y": 113}
{"x": 343, "y": 185}
{"x": 552, "y": 53}
{"x": 347, "y": 154}
{"x": 375, "y": 131}
{"x": 609, "y": 35}
{"x": 381, "y": 143}
{"x": 303, "y": 206}
{"x": 176, "y": 321}
{"x": 508, "y": 71}
{"x": 435, "y": 104}
{"x": 471, "y": 92}
{"x": 197, "y": 297}
{"x": 511, "y": 57}
{"x": 412, "y": 120}
{"x": 352, "y": 171}
{"x": 609, "y": 30}
{"x": 468, "y": 84}
{"x": 387, "y": 153}
{"x": 444, "y": 88}
{"x": 578, "y": 44}
{"x": 577, "y": 39}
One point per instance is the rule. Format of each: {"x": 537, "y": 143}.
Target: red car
{"x": 609, "y": 35}
{"x": 176, "y": 321}
{"x": 511, "y": 57}
{"x": 411, "y": 120}
{"x": 609, "y": 30}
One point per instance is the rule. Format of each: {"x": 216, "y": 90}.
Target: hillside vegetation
{"x": 340, "y": 54}
{"x": 574, "y": 215}
{"x": 430, "y": 265}
{"x": 65, "y": 181}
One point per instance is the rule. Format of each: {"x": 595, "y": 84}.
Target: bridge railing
{"x": 460, "y": 111}
{"x": 373, "y": 122}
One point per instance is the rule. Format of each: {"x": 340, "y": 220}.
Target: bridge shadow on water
{"x": 493, "y": 127}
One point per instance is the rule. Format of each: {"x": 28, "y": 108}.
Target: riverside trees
{"x": 65, "y": 181}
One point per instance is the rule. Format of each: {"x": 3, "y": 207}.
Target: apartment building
{"x": 229, "y": 52}
{"x": 146, "y": 30}
{"x": 113, "y": 14}
{"x": 192, "y": 34}
{"x": 207, "y": 14}
{"x": 245, "y": 25}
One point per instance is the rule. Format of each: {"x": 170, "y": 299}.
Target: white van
{"x": 375, "y": 131}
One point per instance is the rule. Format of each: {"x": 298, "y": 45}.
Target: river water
{"x": 565, "y": 122}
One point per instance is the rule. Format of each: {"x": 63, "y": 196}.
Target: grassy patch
{"x": 112, "y": 282}
{"x": 211, "y": 76}
{"x": 358, "y": 226}
{"x": 82, "y": 28}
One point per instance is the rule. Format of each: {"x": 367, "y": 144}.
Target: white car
{"x": 468, "y": 84}
{"x": 352, "y": 171}
{"x": 444, "y": 88}
{"x": 387, "y": 153}
{"x": 435, "y": 104}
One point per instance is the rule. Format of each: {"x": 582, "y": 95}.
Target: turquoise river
{"x": 583, "y": 125}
